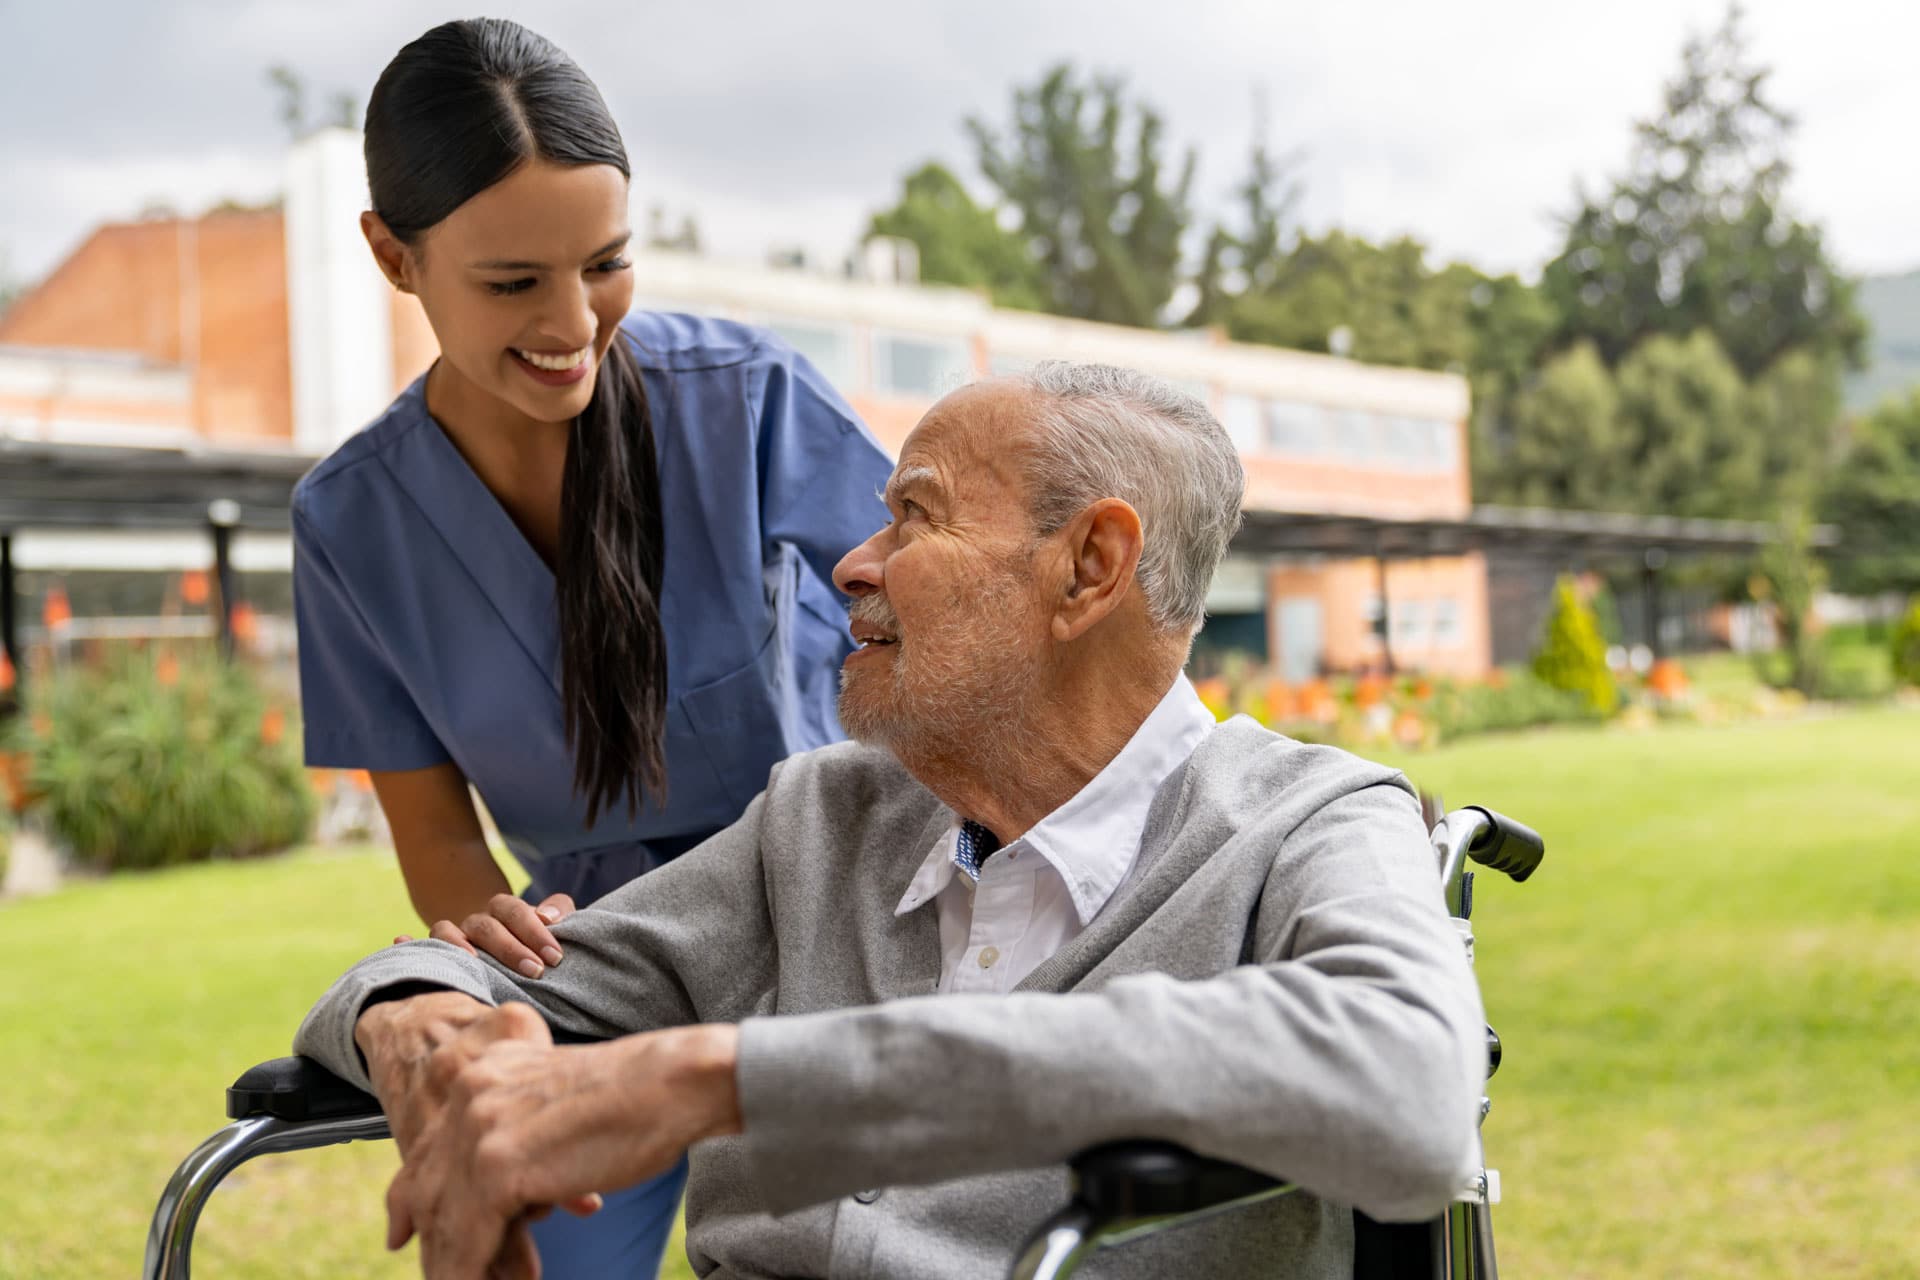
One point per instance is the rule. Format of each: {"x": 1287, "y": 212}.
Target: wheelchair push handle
{"x": 1506, "y": 845}
{"x": 296, "y": 1089}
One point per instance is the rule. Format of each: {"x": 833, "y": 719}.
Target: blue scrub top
{"x": 429, "y": 629}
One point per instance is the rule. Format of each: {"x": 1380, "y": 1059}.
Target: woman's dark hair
{"x": 455, "y": 112}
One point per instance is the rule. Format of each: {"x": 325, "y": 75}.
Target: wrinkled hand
{"x": 525, "y": 1125}
{"x": 511, "y": 930}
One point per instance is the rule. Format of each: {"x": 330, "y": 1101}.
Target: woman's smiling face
{"x": 525, "y": 284}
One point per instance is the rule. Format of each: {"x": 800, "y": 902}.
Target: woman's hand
{"x": 511, "y": 930}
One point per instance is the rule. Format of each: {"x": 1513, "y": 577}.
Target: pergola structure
{"x": 73, "y": 486}
{"x": 45, "y": 485}
{"x": 1546, "y": 534}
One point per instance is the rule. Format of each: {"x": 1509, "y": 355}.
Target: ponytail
{"x": 613, "y": 652}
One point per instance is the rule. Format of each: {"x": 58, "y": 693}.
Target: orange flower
{"x": 56, "y": 611}
{"x": 1280, "y": 704}
{"x": 1422, "y": 689}
{"x": 1666, "y": 679}
{"x": 1217, "y": 697}
{"x": 245, "y": 623}
{"x": 273, "y": 726}
{"x": 1409, "y": 730}
{"x": 7, "y": 675}
{"x": 16, "y": 769}
{"x": 193, "y": 587}
{"x": 166, "y": 669}
{"x": 1370, "y": 690}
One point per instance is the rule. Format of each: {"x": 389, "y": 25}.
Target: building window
{"x": 1353, "y": 436}
{"x": 1446, "y": 623}
{"x": 1298, "y": 430}
{"x": 829, "y": 347}
{"x": 920, "y": 367}
{"x": 1409, "y": 623}
{"x": 1240, "y": 415}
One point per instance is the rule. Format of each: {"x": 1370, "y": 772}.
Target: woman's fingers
{"x": 448, "y": 931}
{"x": 494, "y": 938}
{"x": 556, "y": 907}
{"x": 584, "y": 1206}
{"x": 528, "y": 925}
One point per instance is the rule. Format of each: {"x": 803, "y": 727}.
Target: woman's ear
{"x": 390, "y": 254}
{"x": 1103, "y": 550}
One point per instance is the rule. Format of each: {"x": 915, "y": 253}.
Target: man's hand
{"x": 526, "y": 1125}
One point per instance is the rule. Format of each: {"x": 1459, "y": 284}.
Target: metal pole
{"x": 1386, "y": 614}
{"x": 1651, "y": 564}
{"x": 222, "y": 516}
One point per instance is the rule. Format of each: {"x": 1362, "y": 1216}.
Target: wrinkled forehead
{"x": 972, "y": 447}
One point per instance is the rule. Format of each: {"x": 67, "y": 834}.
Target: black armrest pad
{"x": 296, "y": 1089}
{"x": 1152, "y": 1179}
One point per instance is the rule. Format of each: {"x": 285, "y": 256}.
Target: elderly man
{"x": 1043, "y": 902}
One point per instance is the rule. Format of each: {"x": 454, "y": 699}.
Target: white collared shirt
{"x": 1036, "y": 894}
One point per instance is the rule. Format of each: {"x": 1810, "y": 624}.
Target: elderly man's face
{"x": 950, "y": 621}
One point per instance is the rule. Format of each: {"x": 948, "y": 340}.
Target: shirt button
{"x": 988, "y": 955}
{"x": 866, "y": 1197}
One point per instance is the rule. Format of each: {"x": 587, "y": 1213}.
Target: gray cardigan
{"x": 1276, "y": 983}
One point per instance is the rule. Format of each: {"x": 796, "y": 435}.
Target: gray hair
{"x": 1106, "y": 432}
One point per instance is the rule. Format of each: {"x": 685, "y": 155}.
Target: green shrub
{"x": 1572, "y": 655}
{"x": 148, "y": 762}
{"x": 1906, "y": 647}
{"x": 1522, "y": 701}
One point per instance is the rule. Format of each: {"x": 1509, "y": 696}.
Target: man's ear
{"x": 1103, "y": 545}
{"x": 392, "y": 256}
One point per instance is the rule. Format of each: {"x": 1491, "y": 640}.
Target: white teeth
{"x": 555, "y": 364}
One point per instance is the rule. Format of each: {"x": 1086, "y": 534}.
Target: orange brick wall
{"x": 210, "y": 293}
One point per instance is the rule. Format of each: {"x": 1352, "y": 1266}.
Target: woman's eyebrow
{"x": 502, "y": 264}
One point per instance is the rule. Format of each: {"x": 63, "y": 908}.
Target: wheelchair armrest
{"x": 1123, "y": 1180}
{"x": 296, "y": 1089}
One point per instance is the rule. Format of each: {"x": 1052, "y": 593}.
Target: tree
{"x": 961, "y": 242}
{"x": 1568, "y": 445}
{"x": 1874, "y": 496}
{"x": 1791, "y": 579}
{"x": 1686, "y": 445}
{"x": 1695, "y": 236}
{"x": 1572, "y": 655}
{"x": 291, "y": 87}
{"x": 10, "y": 287}
{"x": 1082, "y": 165}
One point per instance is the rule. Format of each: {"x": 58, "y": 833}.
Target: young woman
{"x": 583, "y": 565}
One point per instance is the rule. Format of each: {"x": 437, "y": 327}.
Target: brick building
{"x": 271, "y": 331}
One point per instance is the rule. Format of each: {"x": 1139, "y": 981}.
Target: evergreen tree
{"x": 961, "y": 242}
{"x": 1100, "y": 212}
{"x": 1572, "y": 655}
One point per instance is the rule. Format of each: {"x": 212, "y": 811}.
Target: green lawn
{"x": 1710, "y": 996}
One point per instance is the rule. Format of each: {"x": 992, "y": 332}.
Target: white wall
{"x": 340, "y": 324}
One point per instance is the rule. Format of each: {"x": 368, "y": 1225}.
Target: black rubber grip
{"x": 296, "y": 1089}
{"x": 1506, "y": 845}
{"x": 1122, "y": 1180}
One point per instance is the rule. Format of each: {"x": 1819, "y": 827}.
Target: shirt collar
{"x": 1091, "y": 841}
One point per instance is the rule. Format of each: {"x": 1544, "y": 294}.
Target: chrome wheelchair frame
{"x": 1120, "y": 1191}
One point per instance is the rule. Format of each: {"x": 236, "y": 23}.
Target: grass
{"x": 1710, "y": 996}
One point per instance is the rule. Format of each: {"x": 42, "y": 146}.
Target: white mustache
{"x": 875, "y": 611}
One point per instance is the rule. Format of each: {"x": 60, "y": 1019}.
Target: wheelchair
{"x": 1121, "y": 1191}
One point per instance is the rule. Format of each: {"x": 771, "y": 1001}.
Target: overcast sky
{"x": 1466, "y": 123}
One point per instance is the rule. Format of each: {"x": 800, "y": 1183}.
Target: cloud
{"x": 1465, "y": 124}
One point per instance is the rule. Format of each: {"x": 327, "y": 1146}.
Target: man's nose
{"x": 862, "y": 570}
